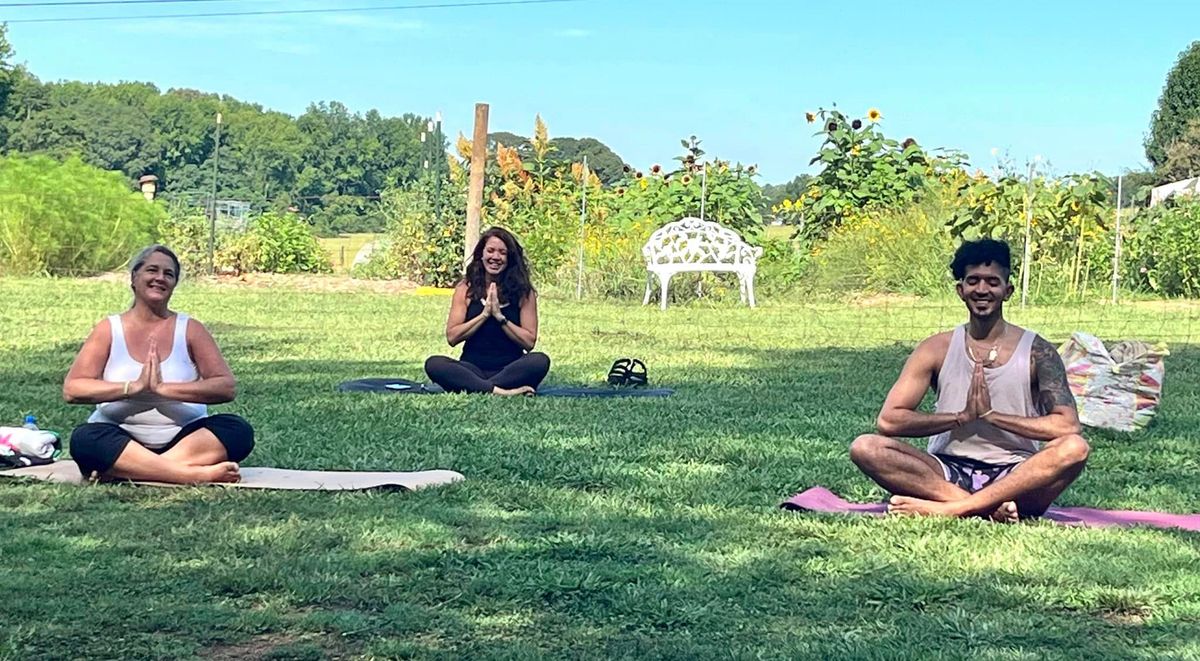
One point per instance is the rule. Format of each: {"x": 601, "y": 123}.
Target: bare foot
{"x": 226, "y": 471}
{"x": 908, "y": 506}
{"x": 1006, "y": 513}
{"x": 511, "y": 392}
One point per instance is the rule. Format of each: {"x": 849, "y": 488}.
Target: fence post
{"x": 475, "y": 191}
{"x": 1025, "y": 259}
{"x": 1117, "y": 244}
{"x": 212, "y": 223}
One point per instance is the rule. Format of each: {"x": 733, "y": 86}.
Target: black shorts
{"x": 970, "y": 474}
{"x": 95, "y": 446}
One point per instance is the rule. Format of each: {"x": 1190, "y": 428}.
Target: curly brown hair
{"x": 513, "y": 282}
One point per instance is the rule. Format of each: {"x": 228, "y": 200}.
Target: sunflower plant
{"x": 1067, "y": 220}
{"x": 730, "y": 195}
{"x": 861, "y": 170}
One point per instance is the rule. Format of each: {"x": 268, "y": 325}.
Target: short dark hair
{"x": 982, "y": 251}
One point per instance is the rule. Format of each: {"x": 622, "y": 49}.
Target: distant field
{"x": 342, "y": 249}
{"x": 780, "y": 231}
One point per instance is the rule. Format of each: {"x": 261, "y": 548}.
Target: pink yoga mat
{"x": 820, "y": 499}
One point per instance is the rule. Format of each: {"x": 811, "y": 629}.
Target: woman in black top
{"x": 494, "y": 310}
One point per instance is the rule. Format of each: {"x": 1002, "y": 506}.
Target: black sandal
{"x": 618, "y": 374}
{"x": 637, "y": 374}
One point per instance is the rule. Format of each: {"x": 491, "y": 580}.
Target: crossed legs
{"x": 920, "y": 487}
{"x": 204, "y": 451}
{"x": 519, "y": 377}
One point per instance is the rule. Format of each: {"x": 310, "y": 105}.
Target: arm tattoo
{"x": 1052, "y": 387}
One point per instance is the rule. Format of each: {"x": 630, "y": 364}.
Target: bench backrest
{"x": 695, "y": 241}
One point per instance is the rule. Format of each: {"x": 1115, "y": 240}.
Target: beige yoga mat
{"x": 271, "y": 478}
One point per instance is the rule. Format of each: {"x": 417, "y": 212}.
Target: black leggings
{"x": 95, "y": 446}
{"x": 461, "y": 376}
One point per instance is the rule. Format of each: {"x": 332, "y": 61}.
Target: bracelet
{"x": 126, "y": 392}
{"x": 987, "y": 413}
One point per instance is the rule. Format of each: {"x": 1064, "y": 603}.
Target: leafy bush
{"x": 185, "y": 230}
{"x": 275, "y": 243}
{"x": 612, "y": 257}
{"x": 418, "y": 246}
{"x": 782, "y": 267}
{"x": 861, "y": 170}
{"x": 1161, "y": 249}
{"x": 731, "y": 196}
{"x": 539, "y": 201}
{"x": 68, "y": 217}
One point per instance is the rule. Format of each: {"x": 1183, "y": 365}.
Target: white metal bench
{"x": 692, "y": 245}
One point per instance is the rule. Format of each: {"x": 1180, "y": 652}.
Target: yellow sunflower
{"x": 874, "y": 115}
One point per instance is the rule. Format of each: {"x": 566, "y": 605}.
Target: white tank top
{"x": 150, "y": 419}
{"x": 1011, "y": 392}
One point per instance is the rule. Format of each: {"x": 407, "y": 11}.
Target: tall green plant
{"x": 888, "y": 251}
{"x": 185, "y": 229}
{"x": 861, "y": 170}
{"x": 275, "y": 243}
{"x": 723, "y": 192}
{"x": 68, "y": 217}
{"x": 1069, "y": 216}
{"x": 425, "y": 233}
{"x": 1161, "y": 251}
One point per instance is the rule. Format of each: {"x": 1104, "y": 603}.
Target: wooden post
{"x": 475, "y": 192}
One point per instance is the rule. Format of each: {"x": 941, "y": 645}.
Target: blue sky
{"x": 1072, "y": 81}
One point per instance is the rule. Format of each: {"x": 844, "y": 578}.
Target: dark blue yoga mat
{"x": 407, "y": 387}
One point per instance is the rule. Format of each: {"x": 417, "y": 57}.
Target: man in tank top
{"x": 1004, "y": 435}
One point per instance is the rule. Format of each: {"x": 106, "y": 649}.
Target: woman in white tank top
{"x": 152, "y": 372}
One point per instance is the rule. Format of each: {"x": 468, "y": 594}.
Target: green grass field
{"x": 342, "y": 249}
{"x": 585, "y": 528}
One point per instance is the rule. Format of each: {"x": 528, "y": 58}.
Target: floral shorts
{"x": 970, "y": 474}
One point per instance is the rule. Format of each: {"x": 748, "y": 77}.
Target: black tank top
{"x": 490, "y": 348}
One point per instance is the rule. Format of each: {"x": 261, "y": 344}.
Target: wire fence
{"x": 323, "y": 304}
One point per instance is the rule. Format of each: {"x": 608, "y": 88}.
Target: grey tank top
{"x": 1011, "y": 391}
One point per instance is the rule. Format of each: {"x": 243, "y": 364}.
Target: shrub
{"x": 731, "y": 197}
{"x": 861, "y": 171}
{"x": 781, "y": 268}
{"x": 185, "y": 229}
{"x": 68, "y": 217}
{"x": 275, "y": 243}
{"x": 1161, "y": 249}
{"x": 417, "y": 246}
{"x": 612, "y": 257}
